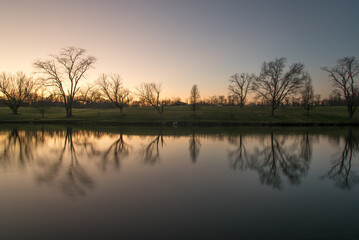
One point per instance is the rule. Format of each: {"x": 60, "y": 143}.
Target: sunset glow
{"x": 181, "y": 43}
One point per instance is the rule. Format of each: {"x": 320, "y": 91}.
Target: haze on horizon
{"x": 181, "y": 43}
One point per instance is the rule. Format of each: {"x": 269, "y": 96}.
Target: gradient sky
{"x": 183, "y": 42}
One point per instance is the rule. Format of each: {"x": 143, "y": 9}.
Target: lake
{"x": 60, "y": 182}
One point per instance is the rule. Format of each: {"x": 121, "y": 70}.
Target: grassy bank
{"x": 183, "y": 116}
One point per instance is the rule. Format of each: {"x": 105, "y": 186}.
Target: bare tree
{"x": 64, "y": 72}
{"x": 274, "y": 85}
{"x": 15, "y": 89}
{"x": 307, "y": 96}
{"x": 41, "y": 101}
{"x": 317, "y": 99}
{"x": 344, "y": 76}
{"x": 149, "y": 93}
{"x": 194, "y": 98}
{"x": 240, "y": 85}
{"x": 113, "y": 89}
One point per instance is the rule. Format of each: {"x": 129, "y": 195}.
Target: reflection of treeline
{"x": 62, "y": 157}
{"x": 59, "y": 156}
{"x": 275, "y": 157}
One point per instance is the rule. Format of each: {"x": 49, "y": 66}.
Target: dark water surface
{"x": 70, "y": 183}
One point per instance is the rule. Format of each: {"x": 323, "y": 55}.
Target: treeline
{"x": 57, "y": 83}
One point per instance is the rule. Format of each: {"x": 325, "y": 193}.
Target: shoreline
{"x": 179, "y": 124}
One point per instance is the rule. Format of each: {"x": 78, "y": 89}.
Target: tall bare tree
{"x": 307, "y": 96}
{"x": 194, "y": 98}
{"x": 240, "y": 85}
{"x": 113, "y": 89}
{"x": 15, "y": 89}
{"x": 344, "y": 76}
{"x": 64, "y": 72}
{"x": 274, "y": 85}
{"x": 149, "y": 93}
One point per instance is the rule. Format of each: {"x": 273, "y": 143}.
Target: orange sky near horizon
{"x": 179, "y": 43}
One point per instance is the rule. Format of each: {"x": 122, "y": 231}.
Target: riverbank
{"x": 182, "y": 116}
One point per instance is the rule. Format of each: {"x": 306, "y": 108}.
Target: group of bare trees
{"x": 61, "y": 74}
{"x": 274, "y": 85}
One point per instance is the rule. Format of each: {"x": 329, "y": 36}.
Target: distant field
{"x": 183, "y": 114}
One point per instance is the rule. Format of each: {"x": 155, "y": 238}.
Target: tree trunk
{"x": 14, "y": 110}
{"x": 350, "y": 111}
{"x": 272, "y": 113}
{"x": 68, "y": 111}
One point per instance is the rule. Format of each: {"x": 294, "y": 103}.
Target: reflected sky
{"x": 187, "y": 185}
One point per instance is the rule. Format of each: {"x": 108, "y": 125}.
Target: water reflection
{"x": 17, "y": 148}
{"x": 70, "y": 160}
{"x": 238, "y": 157}
{"x": 194, "y": 147}
{"x": 118, "y": 151}
{"x": 341, "y": 168}
{"x": 150, "y": 154}
{"x": 275, "y": 157}
{"x": 65, "y": 171}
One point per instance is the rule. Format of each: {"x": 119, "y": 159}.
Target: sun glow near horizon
{"x": 180, "y": 43}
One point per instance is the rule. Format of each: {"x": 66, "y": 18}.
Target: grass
{"x": 183, "y": 115}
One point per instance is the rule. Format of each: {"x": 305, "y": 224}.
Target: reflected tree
{"x": 341, "y": 169}
{"x": 17, "y": 145}
{"x": 72, "y": 179}
{"x": 276, "y": 159}
{"x": 238, "y": 158}
{"x": 194, "y": 147}
{"x": 115, "y": 153}
{"x": 151, "y": 153}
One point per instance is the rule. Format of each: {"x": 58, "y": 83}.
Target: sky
{"x": 178, "y": 43}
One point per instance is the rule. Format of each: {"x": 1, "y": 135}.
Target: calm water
{"x": 62, "y": 183}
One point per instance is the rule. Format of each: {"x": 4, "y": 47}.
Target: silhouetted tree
{"x": 112, "y": 87}
{"x": 307, "y": 96}
{"x": 274, "y": 85}
{"x": 335, "y": 98}
{"x": 240, "y": 85}
{"x": 41, "y": 102}
{"x": 344, "y": 76}
{"x": 194, "y": 98}
{"x": 317, "y": 99}
{"x": 15, "y": 89}
{"x": 149, "y": 93}
{"x": 65, "y": 71}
